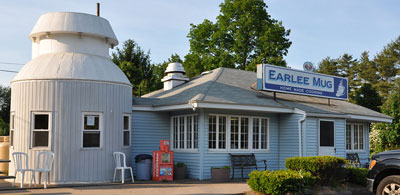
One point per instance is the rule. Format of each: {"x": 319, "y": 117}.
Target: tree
{"x": 344, "y": 66}
{"x": 368, "y": 97}
{"x": 388, "y": 136}
{"x": 388, "y": 65}
{"x": 5, "y": 102}
{"x": 243, "y": 36}
{"x": 135, "y": 63}
{"x": 367, "y": 70}
{"x": 328, "y": 66}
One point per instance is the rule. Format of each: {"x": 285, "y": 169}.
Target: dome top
{"x": 72, "y": 22}
{"x": 72, "y": 66}
{"x": 175, "y": 67}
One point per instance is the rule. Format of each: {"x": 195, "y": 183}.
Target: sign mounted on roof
{"x": 285, "y": 80}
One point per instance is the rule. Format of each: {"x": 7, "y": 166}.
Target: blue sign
{"x": 280, "y": 79}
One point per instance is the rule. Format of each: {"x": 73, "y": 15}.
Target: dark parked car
{"x": 384, "y": 173}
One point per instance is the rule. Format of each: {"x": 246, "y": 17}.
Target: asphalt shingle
{"x": 233, "y": 86}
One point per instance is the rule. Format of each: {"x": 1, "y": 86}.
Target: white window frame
{"x": 124, "y": 130}
{"x": 259, "y": 134}
{"x": 100, "y": 129}
{"x": 217, "y": 147}
{"x": 184, "y": 149}
{"x": 33, "y": 113}
{"x": 364, "y": 138}
{"x": 250, "y": 136}
{"x": 12, "y": 128}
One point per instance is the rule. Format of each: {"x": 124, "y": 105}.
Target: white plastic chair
{"x": 21, "y": 165}
{"x": 44, "y": 164}
{"x": 120, "y": 164}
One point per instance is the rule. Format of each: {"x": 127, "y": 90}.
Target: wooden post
{"x": 329, "y": 102}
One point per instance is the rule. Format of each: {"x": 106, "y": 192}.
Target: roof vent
{"x": 206, "y": 72}
{"x": 175, "y": 75}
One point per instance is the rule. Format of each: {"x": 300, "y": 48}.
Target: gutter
{"x": 301, "y": 120}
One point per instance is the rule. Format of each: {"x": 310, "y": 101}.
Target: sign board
{"x": 90, "y": 120}
{"x": 286, "y": 80}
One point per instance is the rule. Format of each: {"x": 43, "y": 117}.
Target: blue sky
{"x": 318, "y": 28}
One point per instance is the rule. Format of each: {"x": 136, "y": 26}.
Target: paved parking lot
{"x": 138, "y": 188}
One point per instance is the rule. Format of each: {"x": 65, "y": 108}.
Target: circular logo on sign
{"x": 308, "y": 66}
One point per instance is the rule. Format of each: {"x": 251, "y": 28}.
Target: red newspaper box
{"x": 163, "y": 162}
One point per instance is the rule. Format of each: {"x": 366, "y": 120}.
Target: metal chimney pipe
{"x": 98, "y": 9}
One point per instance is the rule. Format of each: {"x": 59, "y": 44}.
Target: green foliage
{"x": 368, "y": 97}
{"x": 327, "y": 169}
{"x": 224, "y": 167}
{"x": 243, "y": 35}
{"x": 135, "y": 63}
{"x": 4, "y": 128}
{"x": 328, "y": 66}
{"x": 367, "y": 69}
{"x": 356, "y": 175}
{"x": 5, "y": 102}
{"x": 388, "y": 137}
{"x": 280, "y": 182}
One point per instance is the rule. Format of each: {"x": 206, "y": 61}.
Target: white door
{"x": 326, "y": 138}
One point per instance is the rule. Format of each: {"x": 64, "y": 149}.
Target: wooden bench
{"x": 245, "y": 161}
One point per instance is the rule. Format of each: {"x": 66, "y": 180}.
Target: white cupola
{"x": 174, "y": 75}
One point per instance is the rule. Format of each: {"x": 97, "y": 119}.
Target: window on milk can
{"x": 126, "y": 130}
{"x": 92, "y": 129}
{"x": 40, "y": 129}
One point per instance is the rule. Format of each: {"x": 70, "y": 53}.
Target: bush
{"x": 357, "y": 175}
{"x": 279, "y": 182}
{"x": 327, "y": 169}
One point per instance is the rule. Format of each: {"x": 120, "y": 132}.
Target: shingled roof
{"x": 232, "y": 87}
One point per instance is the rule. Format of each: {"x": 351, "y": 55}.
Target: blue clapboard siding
{"x": 364, "y": 155}
{"x": 148, "y": 128}
{"x": 311, "y": 137}
{"x": 288, "y": 137}
{"x": 192, "y": 162}
{"x": 340, "y": 137}
{"x": 219, "y": 159}
{"x": 311, "y": 133}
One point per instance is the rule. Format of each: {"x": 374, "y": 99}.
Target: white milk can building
{"x": 71, "y": 99}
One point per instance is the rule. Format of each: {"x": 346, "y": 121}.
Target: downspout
{"x": 301, "y": 120}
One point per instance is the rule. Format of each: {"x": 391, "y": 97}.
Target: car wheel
{"x": 389, "y": 186}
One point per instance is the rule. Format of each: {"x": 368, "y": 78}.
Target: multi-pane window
{"x": 355, "y": 137}
{"x": 184, "y": 132}
{"x": 12, "y": 127}
{"x": 348, "y": 137}
{"x": 260, "y": 133}
{"x": 92, "y": 127}
{"x": 234, "y": 132}
{"x": 217, "y": 129}
{"x": 242, "y": 133}
{"x": 126, "y": 130}
{"x": 41, "y": 127}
